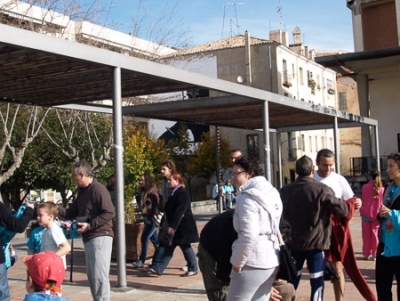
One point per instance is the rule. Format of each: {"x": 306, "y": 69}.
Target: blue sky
{"x": 325, "y": 24}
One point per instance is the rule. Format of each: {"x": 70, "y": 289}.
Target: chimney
{"x": 297, "y": 36}
{"x": 279, "y": 36}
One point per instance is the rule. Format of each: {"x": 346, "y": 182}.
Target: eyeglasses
{"x": 236, "y": 173}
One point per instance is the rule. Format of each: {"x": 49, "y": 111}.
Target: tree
{"x": 16, "y": 136}
{"x": 143, "y": 154}
{"x": 204, "y": 161}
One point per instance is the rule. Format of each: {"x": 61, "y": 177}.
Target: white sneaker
{"x": 185, "y": 268}
{"x": 138, "y": 264}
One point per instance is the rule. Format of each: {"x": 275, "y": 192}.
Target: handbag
{"x": 163, "y": 236}
{"x": 287, "y": 265}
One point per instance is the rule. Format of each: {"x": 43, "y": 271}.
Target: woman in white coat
{"x": 255, "y": 254}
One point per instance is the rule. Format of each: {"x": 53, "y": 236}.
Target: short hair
{"x": 395, "y": 157}
{"x": 149, "y": 181}
{"x": 82, "y": 167}
{"x": 304, "y": 166}
{"x": 324, "y": 153}
{"x": 250, "y": 165}
{"x": 169, "y": 163}
{"x": 49, "y": 207}
{"x": 177, "y": 176}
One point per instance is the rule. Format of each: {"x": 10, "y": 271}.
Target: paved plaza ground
{"x": 169, "y": 286}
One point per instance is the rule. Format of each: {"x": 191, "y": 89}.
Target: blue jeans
{"x": 149, "y": 233}
{"x": 316, "y": 266}
{"x": 4, "y": 291}
{"x": 164, "y": 254}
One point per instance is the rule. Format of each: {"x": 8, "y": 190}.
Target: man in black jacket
{"x": 214, "y": 253}
{"x": 11, "y": 223}
{"x": 307, "y": 206}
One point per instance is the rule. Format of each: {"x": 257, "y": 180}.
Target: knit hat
{"x": 46, "y": 266}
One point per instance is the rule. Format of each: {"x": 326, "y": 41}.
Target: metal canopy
{"x": 42, "y": 70}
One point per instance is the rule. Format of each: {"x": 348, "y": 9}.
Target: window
{"x": 253, "y": 146}
{"x": 329, "y": 84}
{"x": 342, "y": 101}
{"x": 301, "y": 76}
{"x": 316, "y": 142}
{"x": 323, "y": 142}
{"x": 303, "y": 145}
{"x": 310, "y": 142}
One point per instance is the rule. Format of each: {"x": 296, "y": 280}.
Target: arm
{"x": 64, "y": 249}
{"x": 248, "y": 233}
{"x": 103, "y": 209}
{"x": 183, "y": 202}
{"x": 12, "y": 223}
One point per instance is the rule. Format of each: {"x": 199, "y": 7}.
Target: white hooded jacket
{"x": 257, "y": 246}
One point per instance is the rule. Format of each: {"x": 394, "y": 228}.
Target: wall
{"x": 385, "y": 107}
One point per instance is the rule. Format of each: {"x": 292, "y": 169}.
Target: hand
{"x": 384, "y": 211}
{"x": 236, "y": 269}
{"x": 82, "y": 227}
{"x": 275, "y": 296}
{"x": 358, "y": 203}
{"x": 171, "y": 231}
{"x": 30, "y": 205}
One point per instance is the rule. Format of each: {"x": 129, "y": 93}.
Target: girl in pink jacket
{"x": 372, "y": 197}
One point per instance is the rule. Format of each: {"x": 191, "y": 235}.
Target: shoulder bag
{"x": 287, "y": 265}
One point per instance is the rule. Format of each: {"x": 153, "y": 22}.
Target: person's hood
{"x": 263, "y": 193}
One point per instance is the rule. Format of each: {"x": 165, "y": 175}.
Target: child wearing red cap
{"x": 45, "y": 275}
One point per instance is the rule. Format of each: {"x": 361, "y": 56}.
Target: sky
{"x": 325, "y": 24}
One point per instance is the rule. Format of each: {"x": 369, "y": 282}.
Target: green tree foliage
{"x": 143, "y": 154}
{"x": 204, "y": 162}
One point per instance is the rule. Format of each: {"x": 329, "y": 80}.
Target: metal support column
{"x": 279, "y": 145}
{"x": 336, "y": 138}
{"x": 378, "y": 155}
{"x": 218, "y": 176}
{"x": 267, "y": 145}
{"x": 119, "y": 177}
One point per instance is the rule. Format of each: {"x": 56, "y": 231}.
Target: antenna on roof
{"x": 280, "y": 12}
{"x": 236, "y": 17}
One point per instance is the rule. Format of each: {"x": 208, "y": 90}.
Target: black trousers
{"x": 386, "y": 268}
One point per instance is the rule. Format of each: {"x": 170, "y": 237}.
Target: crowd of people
{"x": 238, "y": 250}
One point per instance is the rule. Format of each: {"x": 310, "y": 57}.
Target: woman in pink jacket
{"x": 372, "y": 197}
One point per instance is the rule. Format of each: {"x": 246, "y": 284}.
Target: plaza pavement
{"x": 170, "y": 286}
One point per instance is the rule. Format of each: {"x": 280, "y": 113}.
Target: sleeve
{"x": 105, "y": 207}
{"x": 154, "y": 205}
{"x": 394, "y": 217}
{"x": 58, "y": 235}
{"x": 12, "y": 223}
{"x": 336, "y": 206}
{"x": 248, "y": 233}
{"x": 183, "y": 203}
{"x": 347, "y": 192}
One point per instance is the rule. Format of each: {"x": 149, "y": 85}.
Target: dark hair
{"x": 375, "y": 175}
{"x": 324, "y": 153}
{"x": 82, "y": 167}
{"x": 169, "y": 163}
{"x": 304, "y": 166}
{"x": 250, "y": 165}
{"x": 177, "y": 177}
{"x": 149, "y": 182}
{"x": 395, "y": 157}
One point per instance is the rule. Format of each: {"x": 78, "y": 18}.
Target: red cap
{"x": 46, "y": 266}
